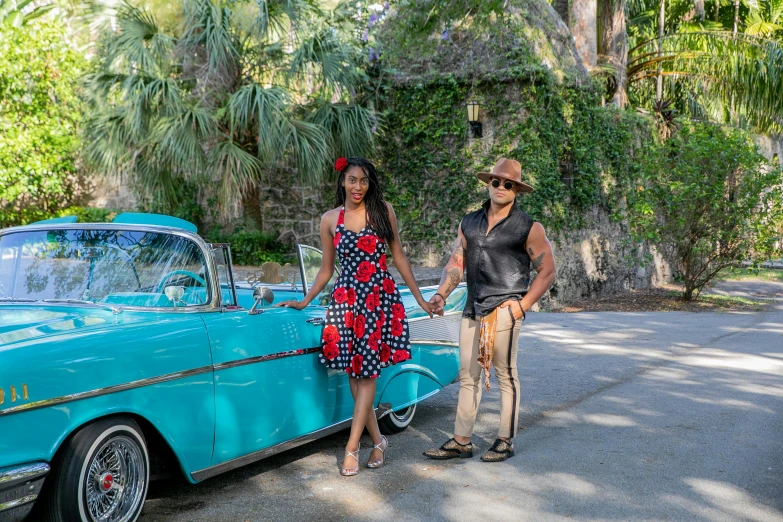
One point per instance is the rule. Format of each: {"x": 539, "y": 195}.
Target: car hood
{"x": 20, "y": 323}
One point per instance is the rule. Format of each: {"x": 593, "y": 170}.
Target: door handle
{"x": 316, "y": 321}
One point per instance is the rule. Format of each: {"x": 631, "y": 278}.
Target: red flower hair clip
{"x": 340, "y": 164}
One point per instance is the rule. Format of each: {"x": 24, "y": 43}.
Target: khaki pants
{"x": 471, "y": 383}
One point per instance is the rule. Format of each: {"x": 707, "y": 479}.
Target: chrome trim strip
{"x": 23, "y": 473}
{"x": 264, "y": 358}
{"x": 430, "y": 342}
{"x": 17, "y": 502}
{"x": 105, "y": 391}
{"x": 244, "y": 460}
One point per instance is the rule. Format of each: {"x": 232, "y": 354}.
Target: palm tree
{"x": 244, "y": 90}
{"x": 711, "y": 72}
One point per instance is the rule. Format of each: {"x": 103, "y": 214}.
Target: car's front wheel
{"x": 103, "y": 474}
{"x": 397, "y": 421}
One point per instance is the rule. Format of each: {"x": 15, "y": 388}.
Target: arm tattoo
{"x": 536, "y": 261}
{"x": 454, "y": 268}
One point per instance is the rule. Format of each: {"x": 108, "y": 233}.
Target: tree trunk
{"x": 661, "y": 22}
{"x": 251, "y": 205}
{"x": 736, "y": 17}
{"x": 583, "y": 26}
{"x": 613, "y": 44}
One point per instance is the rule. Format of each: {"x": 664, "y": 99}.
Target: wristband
{"x": 441, "y": 296}
{"x": 521, "y": 309}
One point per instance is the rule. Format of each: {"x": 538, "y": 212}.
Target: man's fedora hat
{"x": 506, "y": 169}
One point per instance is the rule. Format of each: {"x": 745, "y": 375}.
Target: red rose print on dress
{"x": 382, "y": 263}
{"x": 340, "y": 295}
{"x": 330, "y": 335}
{"x": 349, "y": 319}
{"x": 389, "y": 286}
{"x": 374, "y": 340}
{"x": 367, "y": 243}
{"x": 385, "y": 352}
{"x": 401, "y": 355}
{"x": 336, "y": 241}
{"x": 350, "y": 346}
{"x": 358, "y": 326}
{"x": 331, "y": 351}
{"x": 356, "y": 364}
{"x": 365, "y": 271}
{"x": 396, "y": 328}
{"x": 381, "y": 318}
{"x": 398, "y": 311}
{"x": 373, "y": 301}
{"x": 351, "y": 296}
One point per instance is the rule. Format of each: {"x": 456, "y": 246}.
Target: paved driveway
{"x": 625, "y": 416}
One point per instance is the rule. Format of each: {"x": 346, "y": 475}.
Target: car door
{"x": 269, "y": 385}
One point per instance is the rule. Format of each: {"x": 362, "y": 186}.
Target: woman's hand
{"x": 429, "y": 308}
{"x": 298, "y": 305}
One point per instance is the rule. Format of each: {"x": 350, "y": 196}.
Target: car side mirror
{"x": 261, "y": 293}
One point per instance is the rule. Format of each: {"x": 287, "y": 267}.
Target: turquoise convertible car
{"x": 131, "y": 349}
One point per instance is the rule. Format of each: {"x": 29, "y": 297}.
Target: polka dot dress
{"x": 366, "y": 327}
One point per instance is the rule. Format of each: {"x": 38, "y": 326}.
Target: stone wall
{"x": 294, "y": 211}
{"x": 600, "y": 260}
{"x": 111, "y": 192}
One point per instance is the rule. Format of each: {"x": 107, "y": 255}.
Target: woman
{"x": 366, "y": 328}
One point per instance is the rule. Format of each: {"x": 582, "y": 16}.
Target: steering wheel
{"x": 191, "y": 275}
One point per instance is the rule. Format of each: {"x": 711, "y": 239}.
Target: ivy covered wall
{"x": 577, "y": 155}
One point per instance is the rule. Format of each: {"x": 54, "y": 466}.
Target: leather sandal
{"x": 374, "y": 464}
{"x": 500, "y": 451}
{"x": 350, "y": 472}
{"x": 451, "y": 450}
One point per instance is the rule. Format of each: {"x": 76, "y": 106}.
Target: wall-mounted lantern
{"x": 473, "y": 119}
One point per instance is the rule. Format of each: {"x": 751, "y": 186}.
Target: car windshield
{"x": 113, "y": 267}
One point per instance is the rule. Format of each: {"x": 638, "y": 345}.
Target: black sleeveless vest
{"x": 497, "y": 266}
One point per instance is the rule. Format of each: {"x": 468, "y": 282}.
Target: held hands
{"x": 427, "y": 307}
{"x": 298, "y": 305}
{"x": 437, "y": 303}
{"x": 516, "y": 308}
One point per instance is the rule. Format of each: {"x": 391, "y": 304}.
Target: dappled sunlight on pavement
{"x": 624, "y": 416}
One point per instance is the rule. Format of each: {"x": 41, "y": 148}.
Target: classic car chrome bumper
{"x": 19, "y": 488}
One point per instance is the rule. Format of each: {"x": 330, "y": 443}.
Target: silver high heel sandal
{"x": 350, "y": 472}
{"x": 373, "y": 464}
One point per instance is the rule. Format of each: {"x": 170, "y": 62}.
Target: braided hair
{"x": 377, "y": 211}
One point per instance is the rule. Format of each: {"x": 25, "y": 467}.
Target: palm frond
{"x": 236, "y": 170}
{"x": 253, "y": 107}
{"x": 743, "y": 68}
{"x": 179, "y": 139}
{"x": 350, "y": 128}
{"x": 309, "y": 147}
{"x": 208, "y": 24}
{"x": 138, "y": 43}
{"x": 322, "y": 59}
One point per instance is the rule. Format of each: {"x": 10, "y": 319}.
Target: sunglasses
{"x": 506, "y": 184}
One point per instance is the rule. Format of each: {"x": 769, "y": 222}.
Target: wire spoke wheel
{"x": 115, "y": 482}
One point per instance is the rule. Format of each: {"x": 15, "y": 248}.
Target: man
{"x": 496, "y": 245}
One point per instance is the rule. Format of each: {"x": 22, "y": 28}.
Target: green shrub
{"x": 255, "y": 248}
{"x": 39, "y": 116}
{"x": 90, "y": 214}
{"x": 711, "y": 201}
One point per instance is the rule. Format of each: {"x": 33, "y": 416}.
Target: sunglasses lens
{"x": 508, "y": 185}
{"x": 495, "y": 183}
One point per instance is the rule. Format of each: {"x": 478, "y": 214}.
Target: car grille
{"x": 444, "y": 329}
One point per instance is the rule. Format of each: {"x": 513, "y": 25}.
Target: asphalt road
{"x": 624, "y": 416}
